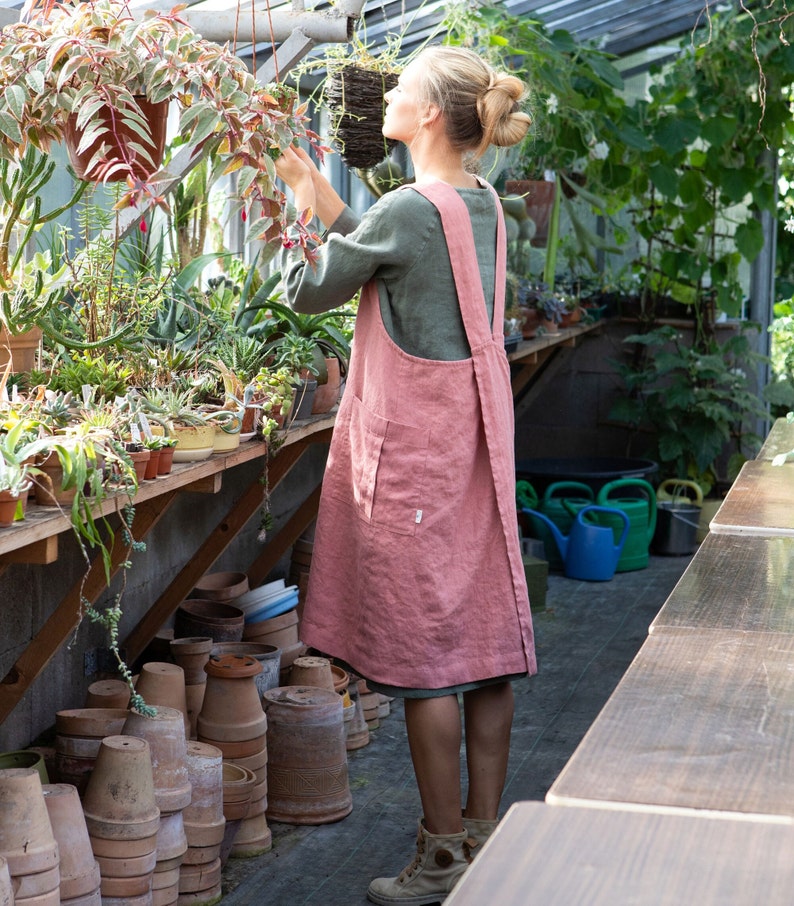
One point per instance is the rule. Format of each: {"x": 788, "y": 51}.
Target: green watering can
{"x": 641, "y": 512}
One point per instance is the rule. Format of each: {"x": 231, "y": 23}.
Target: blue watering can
{"x": 589, "y": 551}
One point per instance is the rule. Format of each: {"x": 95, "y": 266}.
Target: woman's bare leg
{"x": 434, "y": 738}
{"x": 488, "y": 713}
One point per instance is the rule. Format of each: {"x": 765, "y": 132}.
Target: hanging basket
{"x": 355, "y": 99}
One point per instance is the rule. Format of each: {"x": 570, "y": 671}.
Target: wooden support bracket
{"x": 39, "y": 552}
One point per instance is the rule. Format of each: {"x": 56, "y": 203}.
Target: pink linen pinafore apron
{"x": 417, "y": 579}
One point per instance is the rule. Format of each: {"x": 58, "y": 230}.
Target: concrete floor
{"x": 586, "y": 637}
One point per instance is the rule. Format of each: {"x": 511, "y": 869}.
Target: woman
{"x": 417, "y": 582}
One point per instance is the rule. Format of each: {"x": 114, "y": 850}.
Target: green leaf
{"x": 749, "y": 239}
{"x": 10, "y": 127}
{"x": 665, "y": 178}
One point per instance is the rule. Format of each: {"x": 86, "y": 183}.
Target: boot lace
{"x": 408, "y": 871}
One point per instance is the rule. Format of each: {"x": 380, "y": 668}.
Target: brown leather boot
{"x": 439, "y": 862}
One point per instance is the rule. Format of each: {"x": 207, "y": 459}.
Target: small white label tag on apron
{"x": 418, "y": 517}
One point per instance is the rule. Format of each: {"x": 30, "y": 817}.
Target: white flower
{"x": 789, "y": 225}
{"x": 599, "y": 151}
{"x": 552, "y": 104}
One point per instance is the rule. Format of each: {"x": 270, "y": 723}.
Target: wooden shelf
{"x": 530, "y": 356}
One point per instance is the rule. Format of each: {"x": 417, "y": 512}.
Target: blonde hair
{"x": 481, "y": 106}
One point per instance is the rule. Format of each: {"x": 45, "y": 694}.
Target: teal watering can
{"x": 561, "y": 502}
{"x": 641, "y": 510}
{"x": 589, "y": 551}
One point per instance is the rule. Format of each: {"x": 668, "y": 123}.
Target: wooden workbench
{"x": 612, "y": 857}
{"x": 682, "y": 790}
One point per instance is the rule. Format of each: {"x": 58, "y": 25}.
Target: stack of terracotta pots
{"x": 192, "y": 654}
{"x": 370, "y": 704}
{"x": 307, "y": 756}
{"x": 204, "y": 820}
{"x": 123, "y": 820}
{"x": 165, "y": 733}
{"x": 79, "y": 870}
{"x": 26, "y": 839}
{"x": 163, "y": 685}
{"x": 238, "y": 785}
{"x": 356, "y": 729}
{"x": 199, "y": 617}
{"x": 232, "y": 719}
{"x": 78, "y": 736}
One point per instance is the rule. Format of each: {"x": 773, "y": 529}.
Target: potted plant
{"x": 87, "y": 67}
{"x": 18, "y": 448}
{"x": 329, "y": 332}
{"x": 29, "y": 284}
{"x": 297, "y": 355}
{"x": 691, "y": 403}
{"x": 176, "y": 411}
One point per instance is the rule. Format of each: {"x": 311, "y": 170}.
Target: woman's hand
{"x": 295, "y": 167}
{"x": 310, "y": 188}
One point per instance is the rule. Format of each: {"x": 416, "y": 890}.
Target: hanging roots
{"x": 355, "y": 99}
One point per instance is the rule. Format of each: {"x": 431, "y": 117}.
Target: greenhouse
{"x": 396, "y": 450}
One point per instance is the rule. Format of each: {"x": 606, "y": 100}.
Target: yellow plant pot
{"x": 194, "y": 442}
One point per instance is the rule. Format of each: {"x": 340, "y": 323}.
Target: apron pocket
{"x": 386, "y": 467}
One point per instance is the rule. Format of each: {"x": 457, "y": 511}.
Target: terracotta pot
{"x": 33, "y": 887}
{"x": 549, "y": 325}
{"x": 232, "y": 710}
{"x": 152, "y": 465}
{"x": 105, "y": 847}
{"x": 171, "y": 841}
{"x": 253, "y": 838}
{"x": 13, "y": 507}
{"x": 221, "y": 586}
{"x": 108, "y": 693}
{"x": 144, "y": 899}
{"x": 307, "y": 759}
{"x": 123, "y": 888}
{"x": 220, "y": 621}
{"x": 238, "y": 782}
{"x": 78, "y": 735}
{"x": 79, "y": 871}
{"x": 192, "y": 653}
{"x": 163, "y": 685}
{"x": 281, "y": 631}
{"x": 165, "y": 733}
{"x": 531, "y": 323}
{"x": 119, "y": 800}
{"x": 268, "y": 656}
{"x": 341, "y": 678}
{"x": 26, "y": 838}
{"x": 166, "y": 461}
{"x": 205, "y": 772}
{"x": 90, "y": 899}
{"x": 194, "y": 695}
{"x": 356, "y": 729}
{"x": 539, "y": 200}
{"x": 200, "y": 877}
{"x": 127, "y": 866}
{"x": 326, "y": 395}
{"x": 6, "y": 889}
{"x": 120, "y": 139}
{"x": 312, "y": 671}
{"x": 48, "y": 486}
{"x": 139, "y": 461}
{"x": 571, "y": 317}
{"x": 20, "y": 348}
{"x": 25, "y": 758}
